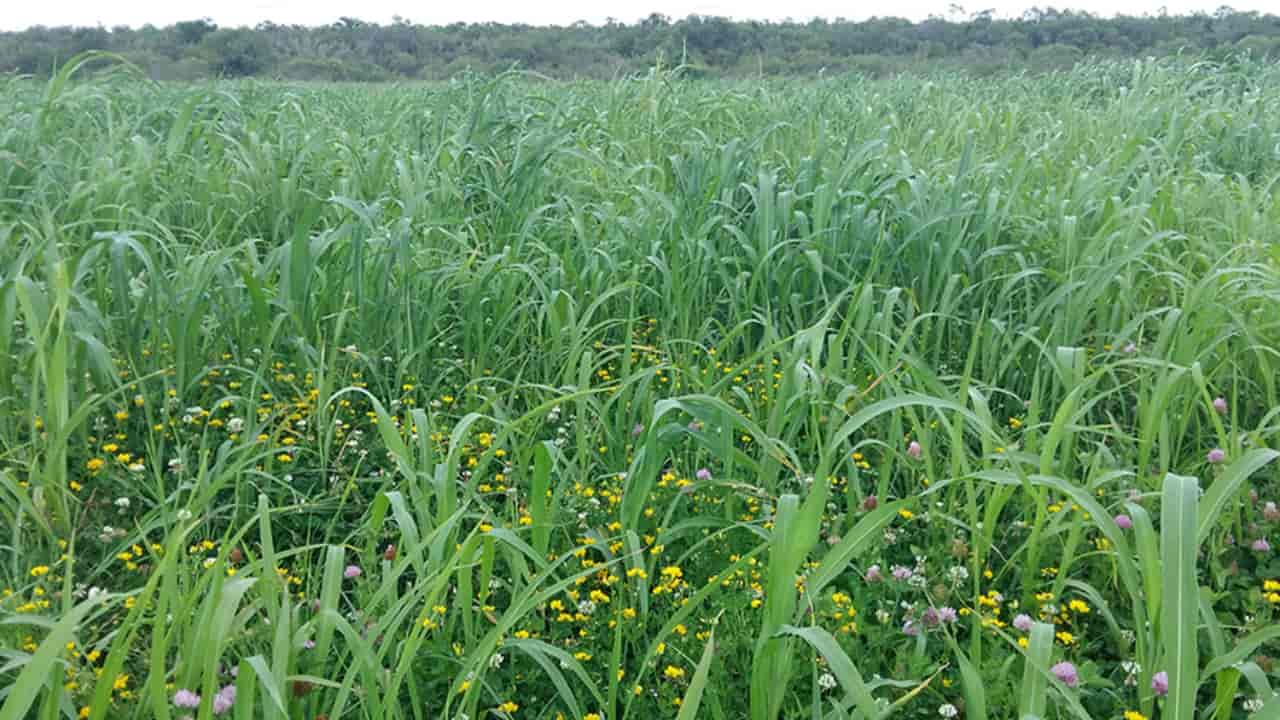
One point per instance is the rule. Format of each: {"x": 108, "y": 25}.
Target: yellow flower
{"x": 1079, "y": 606}
{"x": 906, "y": 514}
{"x": 95, "y": 464}
{"x": 39, "y": 571}
{"x": 673, "y": 673}
{"x": 1134, "y": 715}
{"x": 508, "y": 707}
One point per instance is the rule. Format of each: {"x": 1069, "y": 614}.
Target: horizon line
{"x": 608, "y": 22}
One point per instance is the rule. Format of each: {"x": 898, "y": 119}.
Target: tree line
{"x": 353, "y": 50}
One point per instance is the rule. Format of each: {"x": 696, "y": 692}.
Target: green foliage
{"x": 705, "y": 46}
{"x": 501, "y": 398}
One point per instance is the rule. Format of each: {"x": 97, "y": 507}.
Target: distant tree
{"x": 1043, "y": 38}
{"x": 238, "y": 52}
{"x": 191, "y": 32}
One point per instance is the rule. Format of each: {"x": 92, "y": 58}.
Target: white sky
{"x": 17, "y": 14}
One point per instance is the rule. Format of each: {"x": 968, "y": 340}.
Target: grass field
{"x": 929, "y": 397}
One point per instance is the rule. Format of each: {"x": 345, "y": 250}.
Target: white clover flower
{"x": 496, "y": 660}
{"x": 184, "y": 514}
{"x": 948, "y": 711}
{"x": 826, "y": 681}
{"x": 122, "y": 503}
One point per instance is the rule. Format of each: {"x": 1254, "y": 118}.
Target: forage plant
{"x": 651, "y": 398}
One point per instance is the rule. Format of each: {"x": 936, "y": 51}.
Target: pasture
{"x": 653, "y": 398}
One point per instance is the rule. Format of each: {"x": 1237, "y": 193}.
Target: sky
{"x": 18, "y": 14}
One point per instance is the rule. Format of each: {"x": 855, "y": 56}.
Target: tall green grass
{"x": 619, "y": 396}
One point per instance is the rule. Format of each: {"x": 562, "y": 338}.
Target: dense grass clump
{"x": 653, "y": 398}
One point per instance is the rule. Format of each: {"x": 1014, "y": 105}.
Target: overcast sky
{"x": 17, "y": 14}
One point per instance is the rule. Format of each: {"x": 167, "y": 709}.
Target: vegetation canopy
{"x": 980, "y": 44}
{"x": 931, "y": 396}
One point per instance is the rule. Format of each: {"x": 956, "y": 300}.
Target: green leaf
{"x": 841, "y": 665}
{"x": 971, "y": 684}
{"x": 693, "y": 695}
{"x": 854, "y": 542}
{"x": 38, "y": 668}
{"x": 1033, "y": 695}
{"x": 1180, "y": 601}
{"x": 1227, "y": 486}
